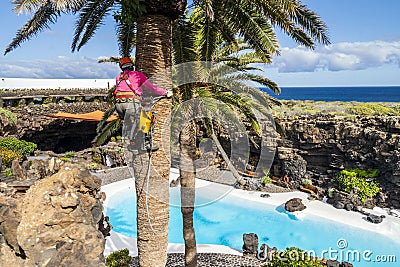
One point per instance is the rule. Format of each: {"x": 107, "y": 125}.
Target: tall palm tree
{"x": 153, "y": 54}
{"x": 210, "y": 34}
{"x": 188, "y": 49}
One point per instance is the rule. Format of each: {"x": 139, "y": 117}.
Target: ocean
{"x": 360, "y": 94}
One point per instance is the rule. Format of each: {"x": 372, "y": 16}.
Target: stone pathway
{"x": 211, "y": 260}
{"x": 113, "y": 175}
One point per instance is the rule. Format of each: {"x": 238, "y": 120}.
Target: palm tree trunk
{"x": 226, "y": 158}
{"x": 153, "y": 55}
{"x": 187, "y": 179}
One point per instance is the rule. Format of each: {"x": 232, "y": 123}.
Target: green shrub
{"x": 372, "y": 109}
{"x": 361, "y": 180}
{"x": 293, "y": 257}
{"x": 119, "y": 258}
{"x": 330, "y": 192}
{"x": 19, "y": 146}
{"x": 266, "y": 179}
{"x": 97, "y": 160}
{"x": 11, "y": 116}
{"x": 306, "y": 182}
{"x": 8, "y": 172}
{"x": 92, "y": 166}
{"x": 8, "y": 156}
{"x": 291, "y": 108}
{"x": 112, "y": 139}
{"x": 69, "y": 154}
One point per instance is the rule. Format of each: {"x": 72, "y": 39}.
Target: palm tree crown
{"x": 253, "y": 20}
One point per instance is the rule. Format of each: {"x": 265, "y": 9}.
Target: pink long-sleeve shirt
{"x": 138, "y": 80}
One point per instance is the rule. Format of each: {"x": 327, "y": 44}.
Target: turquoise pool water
{"x": 224, "y": 222}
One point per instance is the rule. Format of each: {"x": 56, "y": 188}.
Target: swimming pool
{"x": 223, "y": 222}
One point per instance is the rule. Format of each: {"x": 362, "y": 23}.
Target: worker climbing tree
{"x": 129, "y": 96}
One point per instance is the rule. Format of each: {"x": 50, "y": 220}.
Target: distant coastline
{"x": 346, "y": 94}
{"x": 340, "y": 93}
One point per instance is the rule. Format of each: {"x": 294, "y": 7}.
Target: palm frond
{"x": 207, "y": 37}
{"x": 223, "y": 113}
{"x": 202, "y": 92}
{"x": 244, "y": 76}
{"x": 218, "y": 73}
{"x": 90, "y": 19}
{"x": 104, "y": 119}
{"x": 242, "y": 62}
{"x": 228, "y": 48}
{"x": 183, "y": 43}
{"x": 255, "y": 105}
{"x": 83, "y": 17}
{"x": 313, "y": 24}
{"x": 110, "y": 95}
{"x": 27, "y": 6}
{"x": 253, "y": 57}
{"x": 126, "y": 38}
{"x": 68, "y": 5}
{"x": 241, "y": 87}
{"x": 40, "y": 20}
{"x": 273, "y": 100}
{"x": 296, "y": 20}
{"x": 265, "y": 110}
{"x": 107, "y": 131}
{"x": 244, "y": 107}
{"x": 255, "y": 28}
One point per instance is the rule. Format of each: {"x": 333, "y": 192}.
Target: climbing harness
{"x": 124, "y": 77}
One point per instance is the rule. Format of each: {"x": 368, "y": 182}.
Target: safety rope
{"x": 148, "y": 177}
{"x": 151, "y": 131}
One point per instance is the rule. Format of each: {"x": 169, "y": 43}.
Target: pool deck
{"x": 390, "y": 226}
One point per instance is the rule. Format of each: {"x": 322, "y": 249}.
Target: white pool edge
{"x": 390, "y": 227}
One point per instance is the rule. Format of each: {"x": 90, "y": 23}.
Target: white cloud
{"x": 340, "y": 56}
{"x": 60, "y": 67}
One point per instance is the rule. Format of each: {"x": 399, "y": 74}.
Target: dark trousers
{"x": 130, "y": 113}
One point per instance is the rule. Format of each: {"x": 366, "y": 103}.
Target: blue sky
{"x": 365, "y": 48}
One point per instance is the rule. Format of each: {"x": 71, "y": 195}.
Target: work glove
{"x": 168, "y": 94}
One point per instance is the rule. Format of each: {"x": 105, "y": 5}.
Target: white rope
{"x": 147, "y": 180}
{"x": 148, "y": 171}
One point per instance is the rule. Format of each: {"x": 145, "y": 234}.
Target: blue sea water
{"x": 360, "y": 94}
{"x": 223, "y": 222}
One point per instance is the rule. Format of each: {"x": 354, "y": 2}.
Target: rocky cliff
{"x": 317, "y": 147}
{"x": 55, "y": 223}
{"x": 53, "y": 134}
